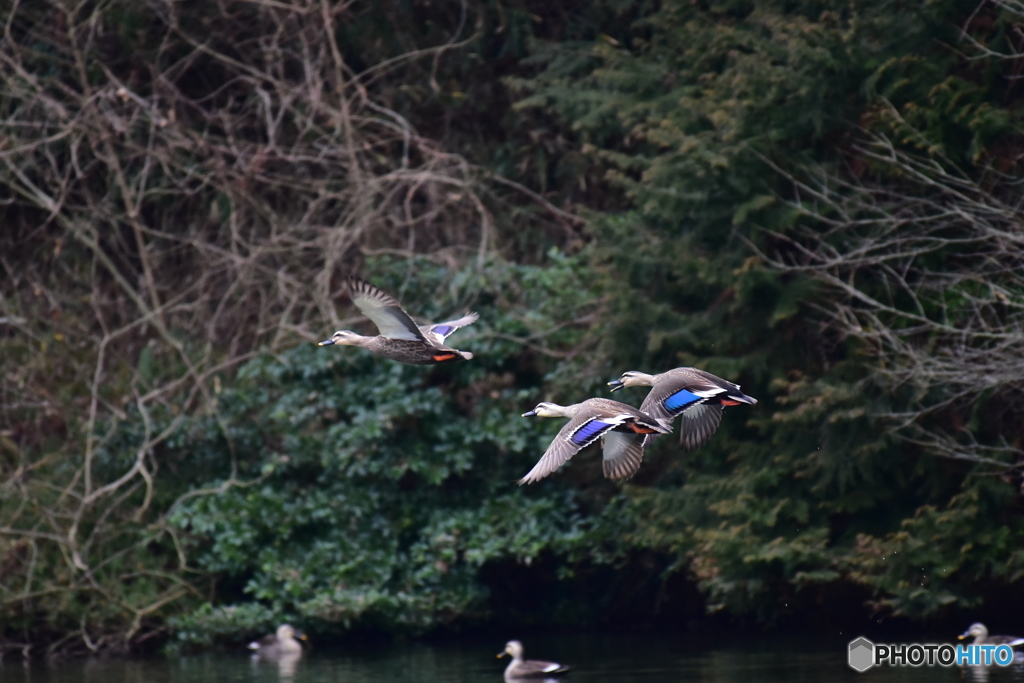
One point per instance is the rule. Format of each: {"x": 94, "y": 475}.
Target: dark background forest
{"x": 820, "y": 201}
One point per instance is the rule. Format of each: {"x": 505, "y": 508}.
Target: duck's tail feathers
{"x": 467, "y": 319}
{"x": 443, "y": 330}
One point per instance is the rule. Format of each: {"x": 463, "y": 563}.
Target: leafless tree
{"x": 164, "y": 221}
{"x": 1010, "y": 50}
{"x": 924, "y": 264}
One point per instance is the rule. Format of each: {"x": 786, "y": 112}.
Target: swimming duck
{"x": 624, "y": 430}
{"x": 695, "y": 394}
{"x": 981, "y": 636}
{"x": 278, "y": 645}
{"x": 528, "y": 668}
{"x": 399, "y": 337}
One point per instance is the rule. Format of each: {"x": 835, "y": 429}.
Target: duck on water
{"x": 528, "y": 668}
{"x": 278, "y": 645}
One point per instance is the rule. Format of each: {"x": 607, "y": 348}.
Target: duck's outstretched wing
{"x": 674, "y": 395}
{"x": 438, "y": 332}
{"x": 627, "y": 413}
{"x": 578, "y": 433}
{"x": 698, "y": 424}
{"x": 623, "y": 453}
{"x": 384, "y": 310}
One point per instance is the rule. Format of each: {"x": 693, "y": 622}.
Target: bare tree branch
{"x": 198, "y": 208}
{"x": 926, "y": 270}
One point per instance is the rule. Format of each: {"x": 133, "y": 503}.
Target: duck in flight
{"x": 399, "y": 338}
{"x": 695, "y": 394}
{"x": 623, "y": 429}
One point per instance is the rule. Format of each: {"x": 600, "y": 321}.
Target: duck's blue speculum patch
{"x": 443, "y": 330}
{"x": 589, "y": 432}
{"x": 681, "y": 399}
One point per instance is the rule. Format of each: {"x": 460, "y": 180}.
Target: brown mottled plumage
{"x": 695, "y": 394}
{"x": 981, "y": 636}
{"x": 399, "y": 337}
{"x": 623, "y": 428}
{"x": 278, "y": 645}
{"x": 528, "y": 668}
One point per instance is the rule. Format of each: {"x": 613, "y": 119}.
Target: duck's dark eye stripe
{"x": 680, "y": 399}
{"x": 443, "y": 329}
{"x": 587, "y": 432}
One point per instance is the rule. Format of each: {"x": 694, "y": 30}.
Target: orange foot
{"x": 440, "y": 357}
{"x": 640, "y": 429}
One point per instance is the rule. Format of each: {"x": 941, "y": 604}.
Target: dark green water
{"x": 594, "y": 658}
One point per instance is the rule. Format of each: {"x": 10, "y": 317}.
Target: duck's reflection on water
{"x": 976, "y": 674}
{"x": 983, "y": 674}
{"x": 286, "y": 664}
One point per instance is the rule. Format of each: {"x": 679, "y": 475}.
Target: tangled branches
{"x": 181, "y": 185}
{"x": 925, "y": 267}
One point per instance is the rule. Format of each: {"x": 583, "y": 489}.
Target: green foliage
{"x": 676, "y": 116}
{"x": 226, "y": 624}
{"x": 337, "y": 490}
{"x": 387, "y": 487}
{"x": 941, "y": 555}
{"x": 688, "y": 113}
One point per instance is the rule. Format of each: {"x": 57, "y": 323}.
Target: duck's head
{"x": 513, "y": 648}
{"x": 545, "y": 409}
{"x": 976, "y": 630}
{"x": 287, "y": 632}
{"x": 343, "y": 337}
{"x": 630, "y": 379}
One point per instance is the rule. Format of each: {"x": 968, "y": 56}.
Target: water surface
{"x": 594, "y": 658}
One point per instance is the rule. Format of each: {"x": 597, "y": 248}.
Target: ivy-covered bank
{"x": 382, "y": 490}
{"x": 818, "y": 200}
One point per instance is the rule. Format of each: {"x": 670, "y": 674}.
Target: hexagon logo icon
{"x": 862, "y": 654}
